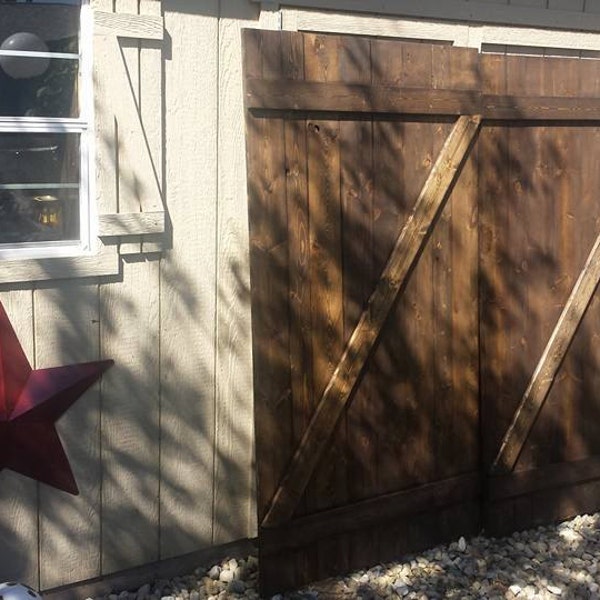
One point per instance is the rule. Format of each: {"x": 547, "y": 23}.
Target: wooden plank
{"x": 410, "y": 401}
{"x": 289, "y": 95}
{"x": 557, "y": 430}
{"x": 403, "y": 258}
{"x": 147, "y": 27}
{"x": 130, "y": 413}
{"x": 67, "y": 329}
{"x": 454, "y": 246}
{"x": 323, "y": 58}
{"x": 383, "y": 509}
{"x": 125, "y": 75}
{"x": 19, "y": 527}
{"x": 554, "y": 108}
{"x": 188, "y": 281}
{"x": 549, "y": 363}
{"x": 124, "y": 224}
{"x": 486, "y": 11}
{"x": 234, "y": 496}
{"x": 357, "y": 191}
{"x": 151, "y": 115}
{"x": 327, "y": 58}
{"x": 269, "y": 231}
{"x": 546, "y": 477}
{"x": 105, "y": 262}
{"x": 376, "y": 26}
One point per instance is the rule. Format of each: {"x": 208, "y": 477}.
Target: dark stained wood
{"x": 554, "y": 353}
{"x": 268, "y": 238}
{"x": 406, "y": 350}
{"x": 344, "y": 377}
{"x": 334, "y": 169}
{"x": 326, "y": 60}
{"x": 454, "y": 245}
{"x": 542, "y": 108}
{"x": 356, "y": 141}
{"x": 270, "y": 280}
{"x": 285, "y": 95}
{"x": 564, "y": 474}
{"x": 429, "y": 497}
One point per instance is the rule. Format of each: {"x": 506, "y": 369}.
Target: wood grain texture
{"x": 19, "y": 531}
{"x": 135, "y": 26}
{"x": 68, "y": 332}
{"x": 348, "y": 97}
{"x": 234, "y": 502}
{"x": 552, "y": 357}
{"x": 188, "y": 280}
{"x": 364, "y": 336}
{"x": 124, "y": 224}
{"x": 104, "y": 263}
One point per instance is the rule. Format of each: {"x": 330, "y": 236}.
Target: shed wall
{"x": 162, "y": 449}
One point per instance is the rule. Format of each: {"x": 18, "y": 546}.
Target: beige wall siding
{"x": 162, "y": 449}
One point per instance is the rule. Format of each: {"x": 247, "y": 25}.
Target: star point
{"x": 31, "y": 401}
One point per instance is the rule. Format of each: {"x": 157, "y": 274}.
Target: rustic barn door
{"x": 417, "y": 227}
{"x": 539, "y": 212}
{"x": 362, "y": 201}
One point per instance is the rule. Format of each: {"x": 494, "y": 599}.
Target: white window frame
{"x": 82, "y": 125}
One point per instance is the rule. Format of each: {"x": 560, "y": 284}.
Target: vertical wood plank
{"x": 19, "y": 533}
{"x": 68, "y": 332}
{"x": 105, "y": 126}
{"x": 130, "y": 414}
{"x": 322, "y": 60}
{"x": 269, "y": 233}
{"x": 234, "y": 508}
{"x": 127, "y": 196}
{"x": 356, "y": 142}
{"x": 151, "y": 101}
{"x": 188, "y": 280}
{"x": 493, "y": 227}
{"x": 270, "y": 325}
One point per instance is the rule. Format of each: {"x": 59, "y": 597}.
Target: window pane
{"x": 39, "y": 187}
{"x": 39, "y": 85}
{"x": 55, "y": 23}
{"x": 51, "y": 94}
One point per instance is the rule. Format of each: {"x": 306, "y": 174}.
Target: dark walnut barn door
{"x": 420, "y": 225}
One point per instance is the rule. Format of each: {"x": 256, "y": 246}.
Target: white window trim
{"x": 108, "y": 228}
{"x": 82, "y": 125}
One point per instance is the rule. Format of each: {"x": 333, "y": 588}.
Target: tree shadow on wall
{"x": 152, "y": 452}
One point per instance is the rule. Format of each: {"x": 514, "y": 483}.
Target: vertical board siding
{"x": 130, "y": 402}
{"x": 129, "y": 419}
{"x": 234, "y": 512}
{"x": 68, "y": 332}
{"x": 160, "y": 472}
{"x": 19, "y": 532}
{"x": 187, "y": 278}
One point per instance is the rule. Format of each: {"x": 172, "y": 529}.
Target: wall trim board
{"x": 132, "y": 579}
{"x": 458, "y": 34}
{"x": 462, "y": 10}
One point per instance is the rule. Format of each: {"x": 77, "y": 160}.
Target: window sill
{"x": 104, "y": 262}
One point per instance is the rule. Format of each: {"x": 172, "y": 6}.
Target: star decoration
{"x": 30, "y": 403}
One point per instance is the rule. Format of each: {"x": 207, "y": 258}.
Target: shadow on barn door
{"x": 408, "y": 271}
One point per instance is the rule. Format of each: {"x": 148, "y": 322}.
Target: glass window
{"x": 43, "y": 128}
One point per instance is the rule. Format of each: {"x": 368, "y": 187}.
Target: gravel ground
{"x": 548, "y": 562}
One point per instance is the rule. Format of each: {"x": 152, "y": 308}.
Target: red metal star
{"x": 30, "y": 403}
